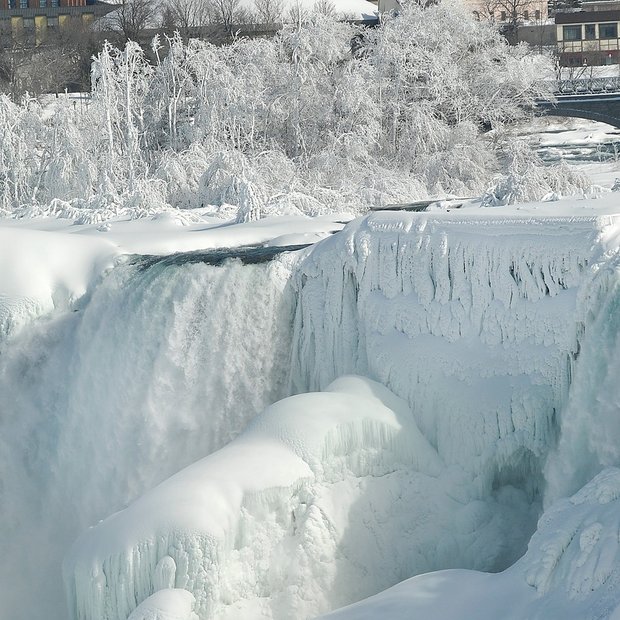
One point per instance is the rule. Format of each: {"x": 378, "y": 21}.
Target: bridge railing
{"x": 587, "y": 86}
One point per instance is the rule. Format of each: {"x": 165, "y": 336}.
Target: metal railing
{"x": 587, "y": 86}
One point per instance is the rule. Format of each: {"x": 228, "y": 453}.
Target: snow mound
{"x": 169, "y": 604}
{"x": 40, "y": 272}
{"x": 571, "y": 571}
{"x": 324, "y": 499}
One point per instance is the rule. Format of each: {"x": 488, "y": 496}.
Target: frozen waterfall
{"x": 486, "y": 328}
{"x": 474, "y": 321}
{"x": 166, "y": 361}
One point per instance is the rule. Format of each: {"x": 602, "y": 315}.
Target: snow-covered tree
{"x": 325, "y": 112}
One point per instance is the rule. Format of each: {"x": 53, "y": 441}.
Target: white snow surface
{"x": 324, "y": 497}
{"x": 489, "y": 341}
{"x": 481, "y": 321}
{"x": 166, "y": 604}
{"x": 49, "y": 264}
{"x": 40, "y": 272}
{"x": 570, "y": 571}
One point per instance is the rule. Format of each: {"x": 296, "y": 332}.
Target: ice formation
{"x": 590, "y": 437}
{"x": 570, "y": 571}
{"x": 475, "y": 321}
{"x": 324, "y": 498}
{"x": 479, "y": 323}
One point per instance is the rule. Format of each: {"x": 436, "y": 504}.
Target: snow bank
{"x": 325, "y": 497}
{"x": 571, "y": 571}
{"x": 474, "y": 319}
{"x": 40, "y": 272}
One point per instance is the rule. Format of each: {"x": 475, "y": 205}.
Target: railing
{"x": 588, "y": 86}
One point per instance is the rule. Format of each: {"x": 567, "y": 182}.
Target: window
{"x": 42, "y": 4}
{"x": 526, "y": 15}
{"x": 572, "y": 33}
{"x": 23, "y": 4}
{"x": 503, "y": 16}
{"x": 590, "y": 32}
{"x": 536, "y": 14}
{"x": 53, "y": 2}
{"x": 608, "y": 31}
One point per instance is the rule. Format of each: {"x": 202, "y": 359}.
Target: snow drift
{"x": 40, "y": 272}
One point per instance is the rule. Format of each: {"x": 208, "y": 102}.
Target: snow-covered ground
{"x": 278, "y": 439}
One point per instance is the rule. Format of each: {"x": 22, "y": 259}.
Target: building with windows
{"x": 588, "y": 37}
{"x": 30, "y": 21}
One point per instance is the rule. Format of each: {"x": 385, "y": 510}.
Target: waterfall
{"x": 164, "y": 363}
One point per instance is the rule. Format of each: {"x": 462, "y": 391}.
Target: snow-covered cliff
{"x": 476, "y": 321}
{"x": 495, "y": 332}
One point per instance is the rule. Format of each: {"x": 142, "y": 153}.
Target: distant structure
{"x": 500, "y": 11}
{"x": 518, "y": 20}
{"x": 31, "y": 21}
{"x": 589, "y": 36}
{"x": 597, "y": 99}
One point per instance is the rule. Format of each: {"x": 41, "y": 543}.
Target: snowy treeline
{"x": 323, "y": 115}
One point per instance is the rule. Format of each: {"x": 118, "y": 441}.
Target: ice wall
{"x": 570, "y": 571}
{"x": 474, "y": 320}
{"x": 590, "y": 423}
{"x": 161, "y": 365}
{"x": 324, "y": 499}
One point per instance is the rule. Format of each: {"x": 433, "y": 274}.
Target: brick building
{"x": 32, "y": 21}
{"x": 589, "y": 37}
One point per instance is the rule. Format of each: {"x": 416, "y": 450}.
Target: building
{"x": 30, "y": 22}
{"x": 588, "y": 37}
